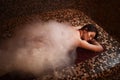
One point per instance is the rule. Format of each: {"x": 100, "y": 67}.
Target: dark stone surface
{"x": 104, "y": 13}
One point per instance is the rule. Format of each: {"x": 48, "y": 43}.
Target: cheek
{"x": 86, "y": 37}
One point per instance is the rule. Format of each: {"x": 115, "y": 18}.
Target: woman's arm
{"x": 95, "y": 46}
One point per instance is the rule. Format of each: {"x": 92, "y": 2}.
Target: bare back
{"x": 39, "y": 47}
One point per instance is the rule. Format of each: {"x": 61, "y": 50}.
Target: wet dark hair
{"x": 90, "y": 28}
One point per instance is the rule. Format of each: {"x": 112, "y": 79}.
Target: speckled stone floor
{"x": 93, "y": 68}
{"x": 100, "y": 67}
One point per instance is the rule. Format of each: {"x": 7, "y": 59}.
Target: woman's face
{"x": 88, "y": 36}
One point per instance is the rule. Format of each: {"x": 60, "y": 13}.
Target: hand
{"x": 93, "y": 41}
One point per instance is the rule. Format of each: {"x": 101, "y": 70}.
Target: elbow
{"x": 100, "y": 49}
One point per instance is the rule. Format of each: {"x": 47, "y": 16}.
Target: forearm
{"x": 94, "y": 46}
{"x": 100, "y": 48}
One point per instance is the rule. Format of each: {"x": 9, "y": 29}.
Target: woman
{"x": 88, "y": 34}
